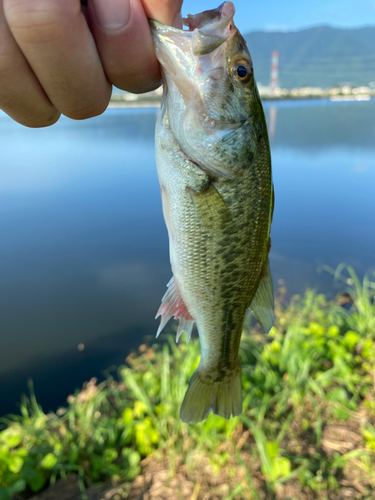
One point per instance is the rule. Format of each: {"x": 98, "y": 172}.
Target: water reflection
{"x": 272, "y": 113}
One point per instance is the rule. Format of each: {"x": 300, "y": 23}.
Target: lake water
{"x": 84, "y": 250}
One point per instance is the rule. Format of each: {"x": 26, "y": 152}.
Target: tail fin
{"x": 205, "y": 394}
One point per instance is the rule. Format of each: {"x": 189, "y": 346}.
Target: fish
{"x": 214, "y": 168}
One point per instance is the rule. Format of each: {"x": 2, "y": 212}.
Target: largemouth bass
{"x": 214, "y": 167}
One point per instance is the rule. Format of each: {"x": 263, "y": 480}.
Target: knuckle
{"x": 137, "y": 85}
{"x": 89, "y": 111}
{"x": 41, "y": 121}
{"x": 29, "y": 119}
{"x": 136, "y": 81}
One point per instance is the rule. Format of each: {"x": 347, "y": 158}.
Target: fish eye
{"x": 242, "y": 71}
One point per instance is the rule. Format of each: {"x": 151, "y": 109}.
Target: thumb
{"x": 165, "y": 11}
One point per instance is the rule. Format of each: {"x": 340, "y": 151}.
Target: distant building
{"x": 274, "y": 79}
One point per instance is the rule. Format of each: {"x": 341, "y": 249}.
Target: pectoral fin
{"x": 262, "y": 305}
{"x": 212, "y": 209}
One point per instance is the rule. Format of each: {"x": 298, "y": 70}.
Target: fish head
{"x": 210, "y": 95}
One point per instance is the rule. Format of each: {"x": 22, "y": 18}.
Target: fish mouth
{"x": 187, "y": 55}
{"x": 206, "y": 30}
{"x": 216, "y": 18}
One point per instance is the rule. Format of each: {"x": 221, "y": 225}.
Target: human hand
{"x": 58, "y": 57}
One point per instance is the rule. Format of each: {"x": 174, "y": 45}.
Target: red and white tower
{"x": 274, "y": 80}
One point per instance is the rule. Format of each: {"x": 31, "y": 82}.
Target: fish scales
{"x": 214, "y": 168}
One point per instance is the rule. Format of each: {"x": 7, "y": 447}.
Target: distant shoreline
{"x": 133, "y": 104}
{"x": 155, "y": 103}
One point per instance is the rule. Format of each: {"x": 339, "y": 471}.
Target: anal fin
{"x": 172, "y": 304}
{"x": 262, "y": 305}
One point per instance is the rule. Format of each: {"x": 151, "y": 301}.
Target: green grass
{"x": 314, "y": 371}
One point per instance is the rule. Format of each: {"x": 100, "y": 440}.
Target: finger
{"x": 165, "y": 11}
{"x": 56, "y": 41}
{"x": 21, "y": 95}
{"x": 123, "y": 38}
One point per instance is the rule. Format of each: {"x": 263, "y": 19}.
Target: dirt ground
{"x": 161, "y": 480}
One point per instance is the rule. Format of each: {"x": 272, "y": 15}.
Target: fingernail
{"x": 112, "y": 15}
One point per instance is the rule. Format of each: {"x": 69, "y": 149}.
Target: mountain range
{"x": 316, "y": 57}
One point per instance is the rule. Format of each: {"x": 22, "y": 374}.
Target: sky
{"x": 286, "y": 15}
